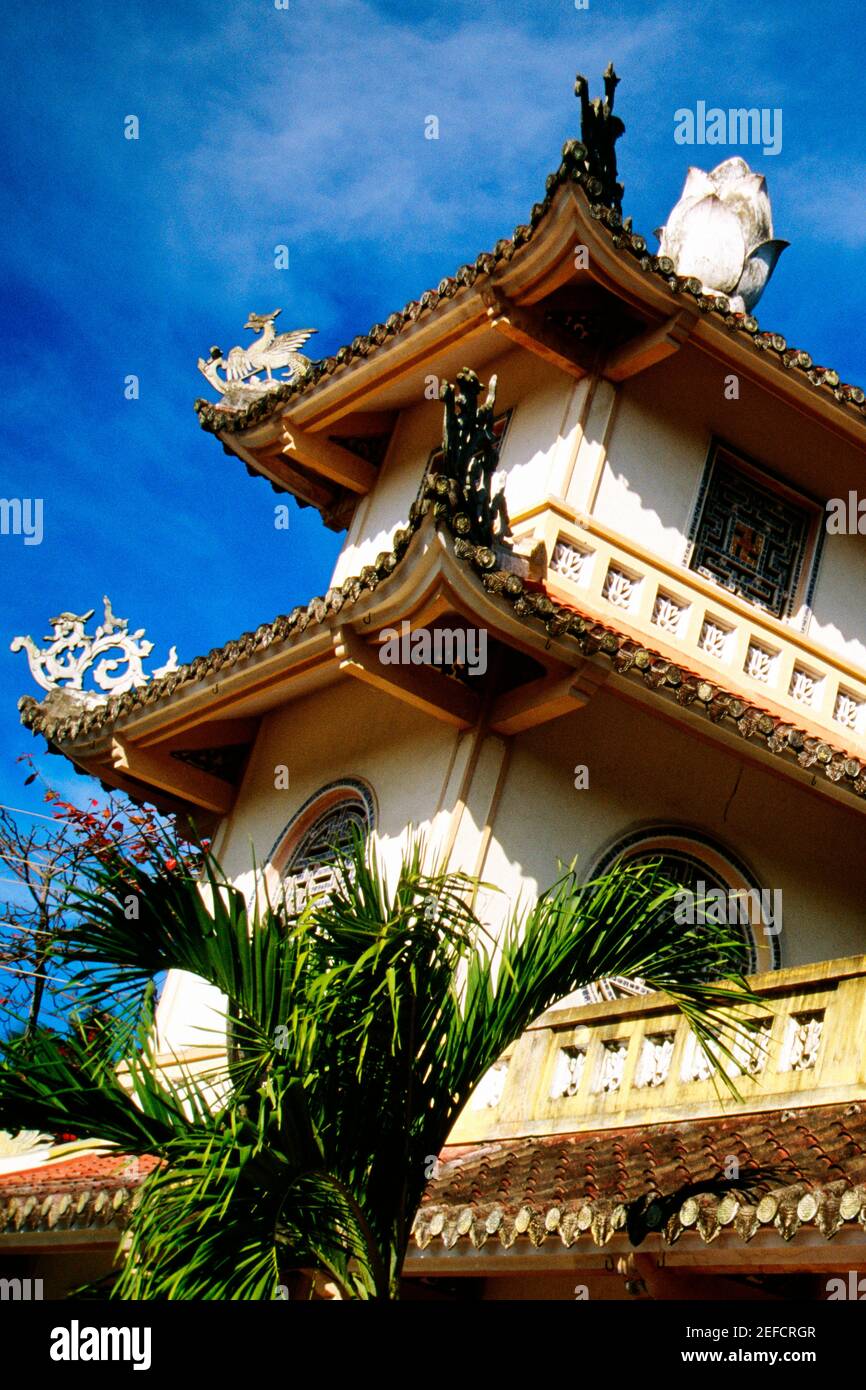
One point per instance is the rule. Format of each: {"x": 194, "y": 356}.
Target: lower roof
{"x": 79, "y": 1194}
{"x": 799, "y": 1170}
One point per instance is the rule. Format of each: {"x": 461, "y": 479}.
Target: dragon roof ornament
{"x": 243, "y": 381}
{"x": 599, "y": 131}
{"x": 72, "y": 651}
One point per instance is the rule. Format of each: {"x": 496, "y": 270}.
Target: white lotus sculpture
{"x": 721, "y": 233}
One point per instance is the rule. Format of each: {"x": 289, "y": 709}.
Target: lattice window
{"x": 668, "y": 613}
{"x": 570, "y": 561}
{"x": 751, "y": 538}
{"x": 654, "y": 1061}
{"x": 568, "y": 1072}
{"x": 805, "y": 686}
{"x": 849, "y": 711}
{"x": 620, "y": 587}
{"x": 760, "y": 663}
{"x": 714, "y": 638}
{"x": 314, "y": 864}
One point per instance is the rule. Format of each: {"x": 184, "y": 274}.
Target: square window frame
{"x": 797, "y": 612}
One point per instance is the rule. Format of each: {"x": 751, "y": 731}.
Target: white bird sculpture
{"x": 271, "y": 351}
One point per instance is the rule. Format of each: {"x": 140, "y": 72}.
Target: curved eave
{"x": 428, "y": 576}
{"x": 386, "y": 375}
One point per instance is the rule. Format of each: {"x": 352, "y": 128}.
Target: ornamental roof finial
{"x": 72, "y": 651}
{"x": 242, "y": 381}
{"x": 599, "y": 131}
{"x": 721, "y": 233}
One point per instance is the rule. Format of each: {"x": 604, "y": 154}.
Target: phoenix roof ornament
{"x": 72, "y": 651}
{"x": 243, "y": 381}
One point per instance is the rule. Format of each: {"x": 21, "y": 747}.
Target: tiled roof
{"x": 572, "y": 170}
{"x": 809, "y": 1168}
{"x": 62, "y": 722}
{"x": 79, "y": 1194}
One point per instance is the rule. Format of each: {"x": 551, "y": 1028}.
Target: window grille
{"x": 313, "y": 867}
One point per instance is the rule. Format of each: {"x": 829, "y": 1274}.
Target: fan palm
{"x": 357, "y": 1030}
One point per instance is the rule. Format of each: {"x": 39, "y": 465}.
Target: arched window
{"x": 307, "y": 850}
{"x": 700, "y": 866}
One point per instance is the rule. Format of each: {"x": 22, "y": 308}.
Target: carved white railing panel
{"x": 620, "y": 587}
{"x": 849, "y": 711}
{"x": 488, "y": 1092}
{"x": 803, "y": 1041}
{"x": 570, "y": 561}
{"x": 668, "y": 613}
{"x": 610, "y": 1074}
{"x": 714, "y": 639}
{"x": 805, "y": 686}
{"x": 760, "y": 663}
{"x": 654, "y": 1062}
{"x": 568, "y": 1072}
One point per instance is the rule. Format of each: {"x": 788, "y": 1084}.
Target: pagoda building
{"x": 600, "y": 616}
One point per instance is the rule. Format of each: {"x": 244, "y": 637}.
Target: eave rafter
{"x": 547, "y": 698}
{"x": 646, "y": 349}
{"x": 527, "y": 328}
{"x": 328, "y": 460}
{"x": 169, "y": 774}
{"x": 422, "y": 687}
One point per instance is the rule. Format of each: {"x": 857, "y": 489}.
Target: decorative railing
{"x": 636, "y": 1061}
{"x": 692, "y": 620}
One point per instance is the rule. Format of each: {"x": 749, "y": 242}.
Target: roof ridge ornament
{"x": 721, "y": 233}
{"x": 243, "y": 367}
{"x": 599, "y": 131}
{"x": 72, "y": 651}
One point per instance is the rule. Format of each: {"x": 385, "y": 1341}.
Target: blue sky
{"x": 304, "y": 126}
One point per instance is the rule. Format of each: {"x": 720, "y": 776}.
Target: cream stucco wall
{"x": 644, "y": 770}
{"x": 635, "y": 459}
{"x": 635, "y": 456}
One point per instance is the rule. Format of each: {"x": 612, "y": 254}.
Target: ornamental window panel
{"x": 707, "y": 875}
{"x": 313, "y": 865}
{"x": 756, "y": 538}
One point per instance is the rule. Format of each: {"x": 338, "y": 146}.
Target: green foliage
{"x": 357, "y": 1032}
